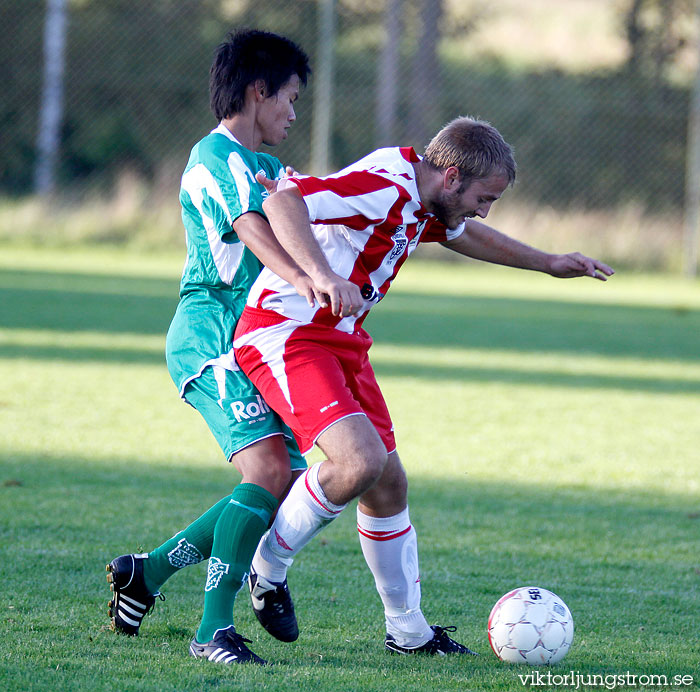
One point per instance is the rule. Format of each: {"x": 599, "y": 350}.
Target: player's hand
{"x": 343, "y": 295}
{"x": 271, "y": 185}
{"x": 306, "y": 288}
{"x": 575, "y": 264}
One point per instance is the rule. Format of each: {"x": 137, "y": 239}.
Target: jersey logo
{"x": 400, "y": 242}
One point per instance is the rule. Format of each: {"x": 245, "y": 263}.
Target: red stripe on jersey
{"x": 358, "y": 222}
{"x": 376, "y": 199}
{"x": 382, "y": 535}
{"x": 264, "y": 294}
{"x": 381, "y": 243}
{"x": 401, "y": 175}
{"x": 435, "y": 232}
{"x": 348, "y": 185}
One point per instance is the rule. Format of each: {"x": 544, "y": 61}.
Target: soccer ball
{"x": 530, "y": 625}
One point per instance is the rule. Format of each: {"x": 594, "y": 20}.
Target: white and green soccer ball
{"x": 530, "y": 625}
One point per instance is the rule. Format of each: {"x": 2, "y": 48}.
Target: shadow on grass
{"x": 521, "y": 324}
{"x": 118, "y": 304}
{"x": 539, "y": 378}
{"x": 623, "y": 561}
{"x": 86, "y": 302}
{"x": 71, "y": 497}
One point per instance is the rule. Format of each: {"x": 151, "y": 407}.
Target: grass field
{"x": 551, "y": 432}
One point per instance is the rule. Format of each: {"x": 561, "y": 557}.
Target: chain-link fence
{"x": 135, "y": 95}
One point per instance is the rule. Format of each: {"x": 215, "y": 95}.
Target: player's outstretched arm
{"x": 489, "y": 245}
{"x": 289, "y": 218}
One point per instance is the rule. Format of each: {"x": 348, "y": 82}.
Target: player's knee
{"x": 369, "y": 467}
{"x": 275, "y": 478}
{"x": 396, "y": 484}
{"x": 265, "y": 464}
{"x": 390, "y": 492}
{"x": 278, "y": 476}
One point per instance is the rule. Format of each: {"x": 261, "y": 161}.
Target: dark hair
{"x": 246, "y": 56}
{"x": 475, "y": 147}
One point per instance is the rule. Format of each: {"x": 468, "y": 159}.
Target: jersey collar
{"x": 221, "y": 129}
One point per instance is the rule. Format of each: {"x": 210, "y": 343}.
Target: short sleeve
{"x": 436, "y": 232}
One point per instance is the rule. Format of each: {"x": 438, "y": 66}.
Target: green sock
{"x": 238, "y": 531}
{"x": 187, "y": 547}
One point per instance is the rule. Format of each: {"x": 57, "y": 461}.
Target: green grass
{"x": 550, "y": 430}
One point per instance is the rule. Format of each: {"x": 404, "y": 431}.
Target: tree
{"x": 656, "y": 32}
{"x": 323, "y": 91}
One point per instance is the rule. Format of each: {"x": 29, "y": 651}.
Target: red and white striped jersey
{"x": 367, "y": 219}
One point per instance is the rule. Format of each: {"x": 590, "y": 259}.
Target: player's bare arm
{"x": 289, "y": 218}
{"x": 484, "y": 243}
{"x": 256, "y": 234}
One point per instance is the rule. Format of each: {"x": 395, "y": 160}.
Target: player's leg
{"x": 308, "y": 507}
{"x": 237, "y": 532}
{"x": 257, "y": 448}
{"x": 390, "y": 547}
{"x": 306, "y": 511}
{"x": 136, "y": 579}
{"x": 271, "y": 471}
{"x": 272, "y": 603}
{"x": 236, "y": 536}
{"x": 312, "y": 368}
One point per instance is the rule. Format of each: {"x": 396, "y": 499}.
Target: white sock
{"x": 267, "y": 564}
{"x": 390, "y": 547}
{"x": 304, "y": 512}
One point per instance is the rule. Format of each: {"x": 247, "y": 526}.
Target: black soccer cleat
{"x": 440, "y": 645}
{"x": 273, "y": 606}
{"x": 227, "y": 647}
{"x": 132, "y": 601}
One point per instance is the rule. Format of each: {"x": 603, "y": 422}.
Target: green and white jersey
{"x": 217, "y": 187}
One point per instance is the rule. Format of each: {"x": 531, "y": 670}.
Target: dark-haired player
{"x": 255, "y": 79}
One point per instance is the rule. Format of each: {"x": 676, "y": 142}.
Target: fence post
{"x": 691, "y": 220}
{"x": 323, "y": 90}
{"x": 388, "y": 75}
{"x": 51, "y": 112}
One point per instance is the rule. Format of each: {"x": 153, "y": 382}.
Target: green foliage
{"x": 549, "y": 429}
{"x": 136, "y": 98}
{"x": 656, "y": 31}
{"x": 596, "y": 140}
{"x": 144, "y": 69}
{"x": 20, "y": 56}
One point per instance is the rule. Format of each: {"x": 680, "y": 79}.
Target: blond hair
{"x": 474, "y": 147}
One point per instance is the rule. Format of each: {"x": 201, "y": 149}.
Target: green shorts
{"x": 236, "y": 413}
